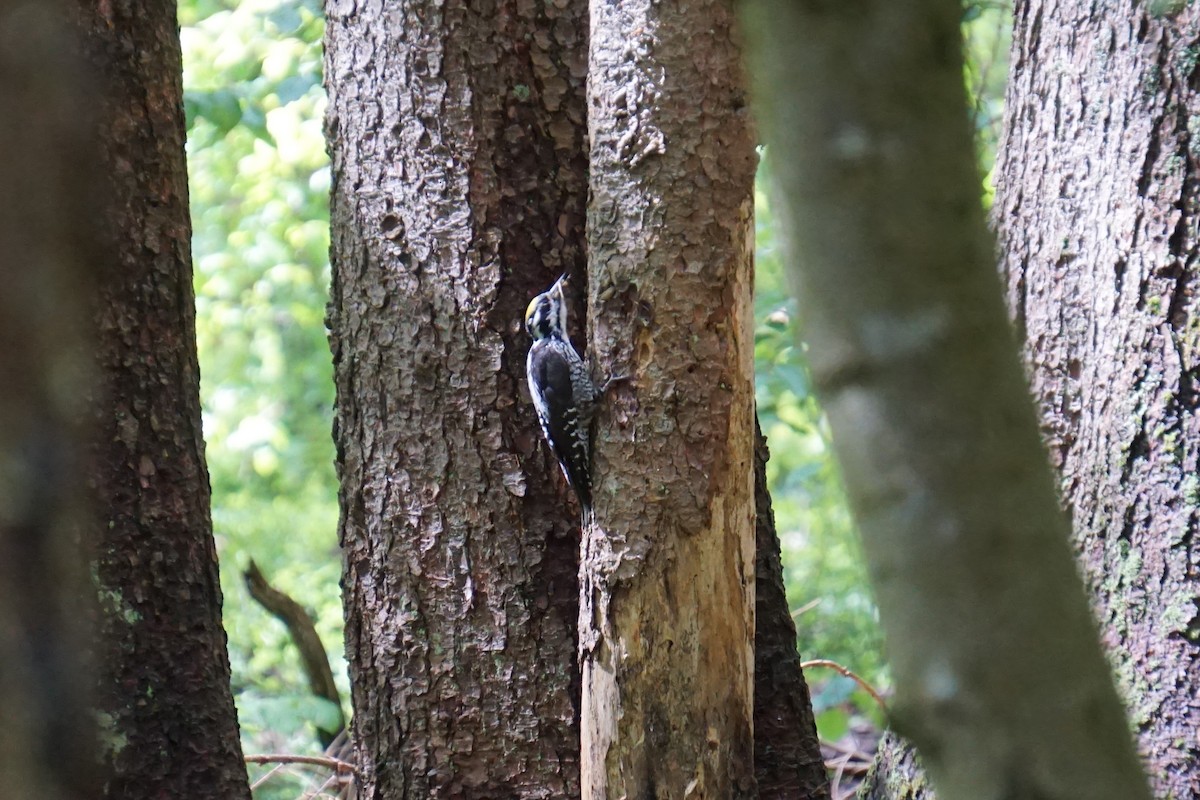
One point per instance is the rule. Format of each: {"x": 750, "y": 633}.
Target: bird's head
{"x": 546, "y": 315}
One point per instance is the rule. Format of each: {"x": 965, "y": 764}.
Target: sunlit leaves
{"x": 987, "y": 32}
{"x": 259, "y": 188}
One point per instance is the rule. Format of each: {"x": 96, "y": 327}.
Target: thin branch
{"x": 320, "y": 790}
{"x": 838, "y": 772}
{"x": 844, "y": 749}
{"x": 317, "y": 761}
{"x": 833, "y": 665}
{"x": 809, "y": 606}
{"x": 266, "y": 776}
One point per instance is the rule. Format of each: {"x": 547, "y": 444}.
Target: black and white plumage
{"x": 563, "y": 392}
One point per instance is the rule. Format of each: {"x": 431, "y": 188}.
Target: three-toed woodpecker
{"x": 564, "y": 394}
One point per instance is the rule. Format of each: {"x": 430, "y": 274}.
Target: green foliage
{"x": 987, "y": 34}
{"x": 1166, "y": 8}
{"x": 823, "y": 566}
{"x": 259, "y": 188}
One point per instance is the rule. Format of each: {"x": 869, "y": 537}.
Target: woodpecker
{"x": 563, "y": 392}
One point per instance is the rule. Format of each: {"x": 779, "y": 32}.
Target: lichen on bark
{"x": 1097, "y": 204}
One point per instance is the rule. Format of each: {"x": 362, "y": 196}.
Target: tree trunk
{"x": 1000, "y": 678}
{"x": 1098, "y": 201}
{"x": 667, "y": 617}
{"x": 459, "y": 189}
{"x": 788, "y": 764}
{"x": 167, "y": 716}
{"x": 47, "y": 746}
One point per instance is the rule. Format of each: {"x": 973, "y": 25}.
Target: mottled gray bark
{"x": 667, "y": 599}
{"x": 459, "y": 186}
{"x": 168, "y": 720}
{"x": 1097, "y": 204}
{"x": 1000, "y": 678}
{"x": 47, "y": 253}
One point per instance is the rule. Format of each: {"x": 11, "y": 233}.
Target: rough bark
{"x": 896, "y": 773}
{"x": 1097, "y": 208}
{"x": 788, "y": 764}
{"x": 168, "y": 722}
{"x": 47, "y": 745}
{"x": 667, "y": 616}
{"x": 1000, "y": 678}
{"x": 459, "y": 187}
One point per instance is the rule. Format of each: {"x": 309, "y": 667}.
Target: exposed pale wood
{"x": 667, "y": 615}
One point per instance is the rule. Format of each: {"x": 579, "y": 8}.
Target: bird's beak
{"x": 557, "y": 288}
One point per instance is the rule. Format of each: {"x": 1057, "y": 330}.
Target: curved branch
{"x": 833, "y": 665}
{"x": 304, "y": 633}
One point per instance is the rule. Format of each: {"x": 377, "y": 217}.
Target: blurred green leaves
{"x": 987, "y": 35}
{"x": 259, "y": 188}
{"x": 823, "y": 567}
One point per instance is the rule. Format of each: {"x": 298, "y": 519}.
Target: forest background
{"x": 259, "y": 181}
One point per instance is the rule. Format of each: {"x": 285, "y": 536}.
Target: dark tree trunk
{"x": 1000, "y": 678}
{"x": 47, "y": 747}
{"x": 667, "y": 619}
{"x": 166, "y": 711}
{"x": 787, "y": 753}
{"x": 459, "y": 189}
{"x": 1098, "y": 203}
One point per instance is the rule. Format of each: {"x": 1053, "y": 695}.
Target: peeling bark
{"x": 459, "y": 186}
{"x": 168, "y": 720}
{"x": 1000, "y": 677}
{"x": 1097, "y": 204}
{"x": 667, "y": 617}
